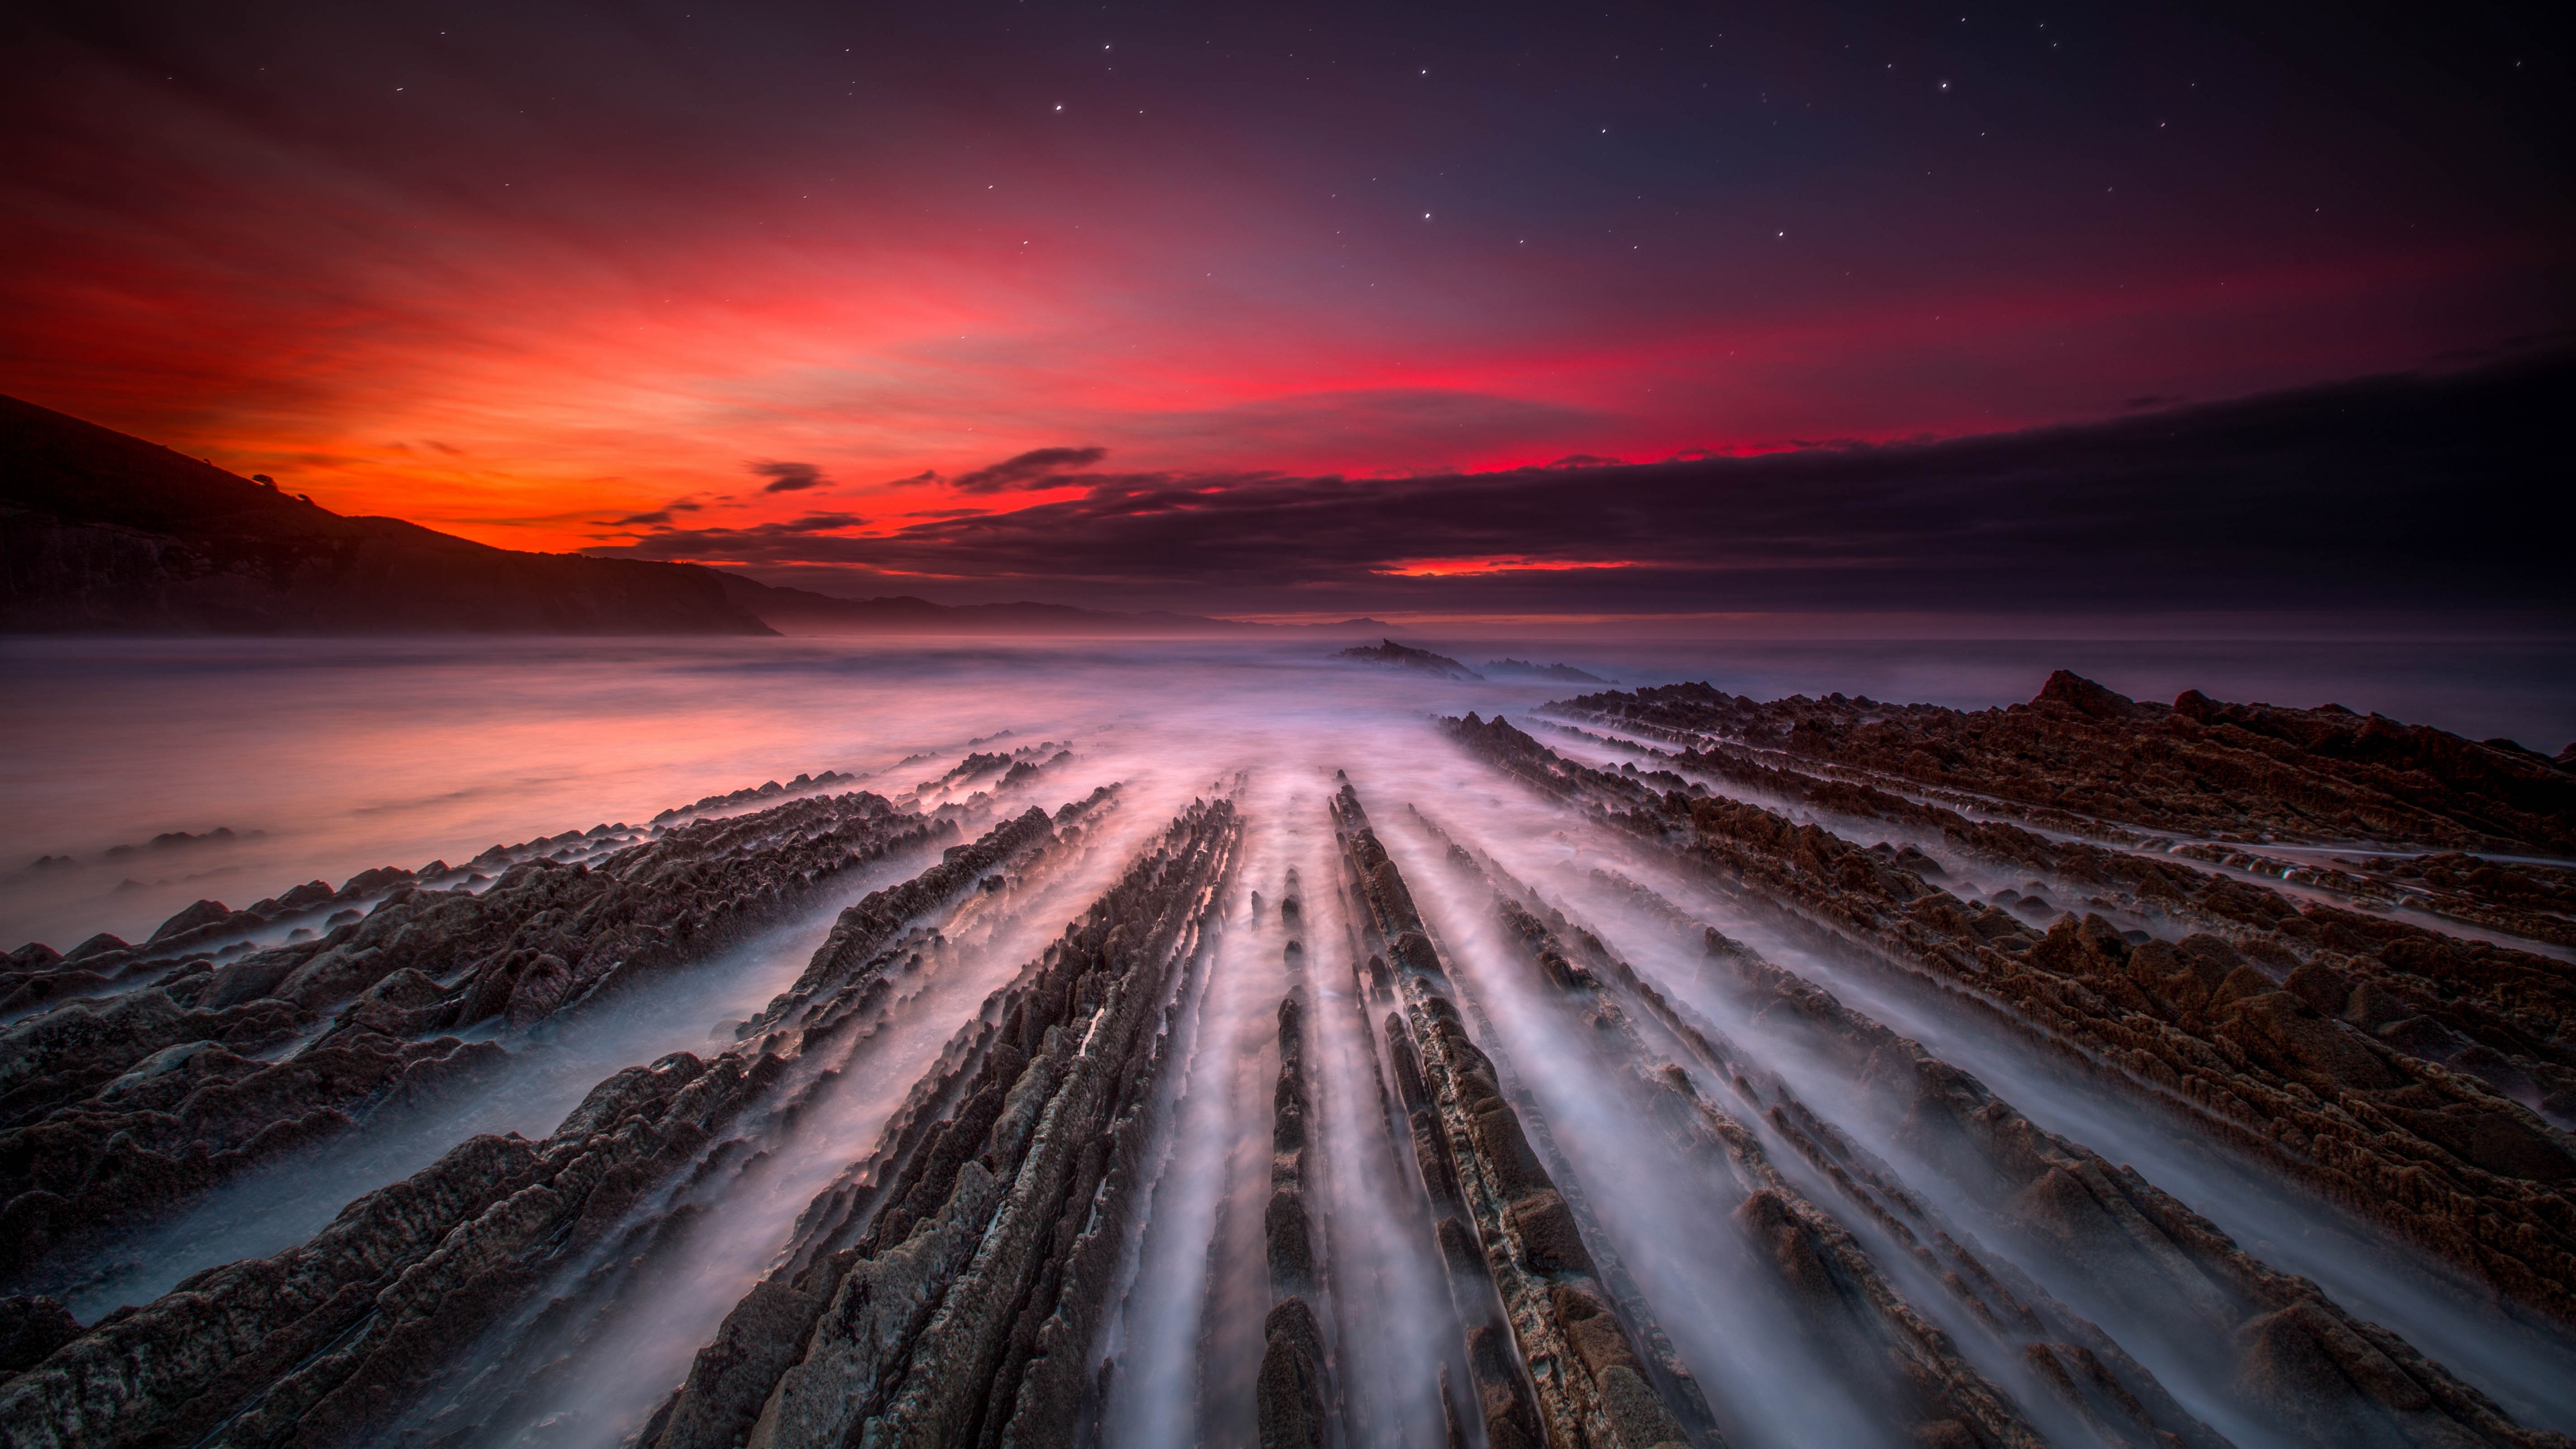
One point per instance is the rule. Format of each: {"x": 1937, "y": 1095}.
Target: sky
{"x": 887, "y": 299}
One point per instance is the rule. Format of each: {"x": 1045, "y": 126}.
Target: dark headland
{"x": 104, "y": 533}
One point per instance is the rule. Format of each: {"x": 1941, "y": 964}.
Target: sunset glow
{"x": 1442, "y": 568}
{"x": 440, "y": 271}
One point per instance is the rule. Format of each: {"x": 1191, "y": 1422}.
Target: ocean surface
{"x": 328, "y": 757}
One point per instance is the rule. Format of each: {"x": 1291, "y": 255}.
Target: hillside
{"x": 105, "y": 533}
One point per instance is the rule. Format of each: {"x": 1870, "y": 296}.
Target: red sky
{"x": 519, "y": 273}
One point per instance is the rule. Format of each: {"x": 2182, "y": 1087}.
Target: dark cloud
{"x": 660, "y": 516}
{"x": 2392, "y": 492}
{"x": 789, "y": 477}
{"x": 784, "y": 541}
{"x": 1033, "y": 469}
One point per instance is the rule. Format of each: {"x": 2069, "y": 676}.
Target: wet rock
{"x": 56, "y": 985}
{"x": 2197, "y": 1025}
{"x": 2322, "y": 987}
{"x": 538, "y": 988}
{"x": 173, "y": 1368}
{"x": 1549, "y": 1240}
{"x": 1006, "y": 1342}
{"x": 1528, "y": 1245}
{"x": 1290, "y": 1392}
{"x": 203, "y": 913}
{"x": 30, "y": 1330}
{"x": 101, "y": 944}
{"x": 1287, "y": 1227}
{"x": 420, "y": 964}
{"x": 960, "y": 1303}
{"x": 1400, "y": 656}
{"x": 2079, "y": 751}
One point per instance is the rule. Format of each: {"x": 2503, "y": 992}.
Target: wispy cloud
{"x": 789, "y": 477}
{"x": 1033, "y": 469}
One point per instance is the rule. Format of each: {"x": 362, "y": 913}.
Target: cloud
{"x": 1033, "y": 469}
{"x": 789, "y": 477}
{"x": 810, "y": 523}
{"x": 785, "y": 541}
{"x": 2382, "y": 492}
{"x": 660, "y": 516}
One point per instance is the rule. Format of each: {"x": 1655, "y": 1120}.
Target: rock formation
{"x": 1392, "y": 655}
{"x": 2199, "y": 765}
{"x": 914, "y": 1197}
{"x": 130, "y": 1103}
{"x": 1504, "y": 1227}
{"x": 408, "y": 1274}
{"x": 2198, "y": 1023}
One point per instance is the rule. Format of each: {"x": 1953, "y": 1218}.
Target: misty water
{"x": 325, "y": 758}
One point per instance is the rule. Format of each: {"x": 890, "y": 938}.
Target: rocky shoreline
{"x": 909, "y": 1198}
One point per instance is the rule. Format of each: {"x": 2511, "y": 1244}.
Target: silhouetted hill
{"x": 105, "y": 533}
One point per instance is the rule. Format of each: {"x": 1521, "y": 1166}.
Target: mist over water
{"x": 345, "y": 755}
{"x": 327, "y": 758}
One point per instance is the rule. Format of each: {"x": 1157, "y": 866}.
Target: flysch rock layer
{"x": 2107, "y": 1393}
{"x": 515, "y": 1379}
{"x": 952, "y": 1296}
{"x": 2197, "y": 765}
{"x": 1828, "y": 1271}
{"x": 2482, "y": 1008}
{"x": 120, "y": 1108}
{"x": 2319, "y": 1371}
{"x": 1294, "y": 1402}
{"x": 1501, "y": 1220}
{"x": 2434, "y": 1153}
{"x": 321, "y": 1344}
{"x": 2270, "y": 1332}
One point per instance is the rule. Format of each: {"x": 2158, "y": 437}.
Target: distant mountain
{"x": 105, "y": 533}
{"x": 1402, "y": 656}
{"x": 108, "y": 534}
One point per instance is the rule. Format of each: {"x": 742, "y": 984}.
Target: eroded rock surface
{"x": 2197, "y": 764}
{"x": 410, "y": 1273}
{"x": 2232, "y": 1038}
{"x": 1292, "y": 1394}
{"x": 130, "y": 1104}
{"x": 1504, "y": 1226}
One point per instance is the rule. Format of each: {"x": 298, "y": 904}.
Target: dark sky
{"x": 794, "y": 285}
